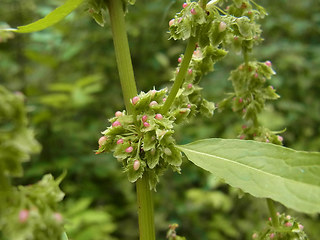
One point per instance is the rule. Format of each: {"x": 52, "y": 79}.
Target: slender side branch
{"x": 273, "y": 212}
{"x": 122, "y": 51}
{"x": 181, "y": 74}
{"x": 129, "y": 90}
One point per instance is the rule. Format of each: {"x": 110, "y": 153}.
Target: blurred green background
{"x": 70, "y": 81}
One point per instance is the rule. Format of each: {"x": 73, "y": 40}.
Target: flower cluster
{"x": 288, "y": 229}
{"x": 143, "y": 141}
{"x": 235, "y": 28}
{"x": 31, "y": 211}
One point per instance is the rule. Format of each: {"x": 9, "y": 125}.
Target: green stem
{"x": 129, "y": 90}
{"x": 273, "y": 212}
{"x": 245, "y": 56}
{"x": 181, "y": 74}
{"x": 145, "y": 209}
{"x": 122, "y": 51}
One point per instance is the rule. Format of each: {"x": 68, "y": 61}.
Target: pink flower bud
{"x": 171, "y": 22}
{"x": 288, "y": 224}
{"x": 116, "y": 124}
{"x": 270, "y": 219}
{"x": 272, "y": 235}
{"x": 222, "y": 26}
{"x": 227, "y": 7}
{"x": 129, "y": 149}
{"x": 267, "y": 140}
{"x": 120, "y": 141}
{"x": 102, "y": 140}
{"x": 23, "y": 215}
{"x": 135, "y": 100}
{"x": 189, "y": 105}
{"x": 153, "y": 92}
{"x": 240, "y": 100}
{"x": 153, "y": 103}
{"x": 158, "y": 116}
{"x": 144, "y": 118}
{"x": 288, "y": 217}
{"x": 179, "y": 59}
{"x": 136, "y": 165}
{"x": 189, "y": 85}
{"x": 118, "y": 114}
{"x": 164, "y": 99}
{"x": 185, "y": 5}
{"x": 256, "y": 75}
{"x": 242, "y": 137}
{"x": 190, "y": 71}
{"x": 301, "y": 227}
{"x": 58, "y": 217}
{"x": 146, "y": 124}
{"x": 271, "y": 87}
{"x": 177, "y": 71}
{"x": 193, "y": 11}
{"x": 268, "y": 63}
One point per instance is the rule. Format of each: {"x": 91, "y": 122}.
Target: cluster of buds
{"x": 288, "y": 229}
{"x": 250, "y": 95}
{"x": 261, "y": 134}
{"x": 143, "y": 141}
{"x": 235, "y": 28}
{"x": 250, "y": 91}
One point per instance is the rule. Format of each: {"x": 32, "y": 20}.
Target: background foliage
{"x": 69, "y": 78}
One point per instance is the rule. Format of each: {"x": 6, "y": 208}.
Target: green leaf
{"x": 262, "y": 169}
{"x": 52, "y": 18}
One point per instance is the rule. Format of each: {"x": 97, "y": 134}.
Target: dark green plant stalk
{"x": 273, "y": 212}
{"x": 181, "y": 74}
{"x": 144, "y": 194}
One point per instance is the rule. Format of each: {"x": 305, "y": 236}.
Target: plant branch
{"x": 129, "y": 89}
{"x": 181, "y": 74}
{"x": 273, "y": 212}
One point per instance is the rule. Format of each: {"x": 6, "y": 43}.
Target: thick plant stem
{"x": 181, "y": 74}
{"x": 123, "y": 57}
{"x": 129, "y": 90}
{"x": 145, "y": 209}
{"x": 273, "y": 212}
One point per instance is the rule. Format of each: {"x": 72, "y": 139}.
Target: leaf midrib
{"x": 247, "y": 166}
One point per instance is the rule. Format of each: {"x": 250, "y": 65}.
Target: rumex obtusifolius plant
{"x": 141, "y": 137}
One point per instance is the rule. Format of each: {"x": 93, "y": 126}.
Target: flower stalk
{"x": 181, "y": 74}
